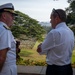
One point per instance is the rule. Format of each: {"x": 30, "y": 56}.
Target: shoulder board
{"x": 6, "y": 27}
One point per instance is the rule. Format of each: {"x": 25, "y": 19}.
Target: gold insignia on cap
{"x": 10, "y": 10}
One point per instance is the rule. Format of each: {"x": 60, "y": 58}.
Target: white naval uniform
{"x": 7, "y": 41}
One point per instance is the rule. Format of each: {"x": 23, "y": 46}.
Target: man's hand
{"x": 39, "y": 48}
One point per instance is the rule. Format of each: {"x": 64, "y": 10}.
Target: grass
{"x": 73, "y": 57}
{"x": 32, "y": 54}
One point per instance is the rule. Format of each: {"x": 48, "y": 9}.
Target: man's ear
{"x": 58, "y": 19}
{"x": 4, "y": 15}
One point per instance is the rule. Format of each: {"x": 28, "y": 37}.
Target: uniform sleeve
{"x": 5, "y": 40}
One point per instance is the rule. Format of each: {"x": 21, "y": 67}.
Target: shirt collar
{"x": 61, "y": 24}
{"x": 4, "y": 25}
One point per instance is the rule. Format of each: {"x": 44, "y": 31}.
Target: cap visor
{"x": 11, "y": 11}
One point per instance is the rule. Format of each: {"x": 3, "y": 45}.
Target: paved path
{"x": 33, "y": 70}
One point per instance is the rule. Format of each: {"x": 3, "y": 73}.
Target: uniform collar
{"x": 4, "y": 25}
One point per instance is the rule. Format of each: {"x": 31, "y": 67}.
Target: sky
{"x": 39, "y": 10}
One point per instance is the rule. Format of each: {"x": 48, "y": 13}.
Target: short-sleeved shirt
{"x": 58, "y": 45}
{"x": 7, "y": 41}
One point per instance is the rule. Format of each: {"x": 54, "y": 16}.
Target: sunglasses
{"x": 55, "y": 11}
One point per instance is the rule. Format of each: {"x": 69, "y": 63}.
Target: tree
{"x": 25, "y": 25}
{"x": 71, "y": 12}
{"x": 71, "y": 15}
{"x": 69, "y": 1}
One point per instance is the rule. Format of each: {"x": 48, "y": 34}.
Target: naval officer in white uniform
{"x": 7, "y": 41}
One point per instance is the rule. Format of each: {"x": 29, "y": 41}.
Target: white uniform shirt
{"x": 58, "y": 45}
{"x": 7, "y": 41}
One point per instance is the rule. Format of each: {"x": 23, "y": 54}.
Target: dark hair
{"x": 60, "y": 13}
{"x": 0, "y": 14}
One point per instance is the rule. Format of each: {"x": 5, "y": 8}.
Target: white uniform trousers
{"x": 9, "y": 70}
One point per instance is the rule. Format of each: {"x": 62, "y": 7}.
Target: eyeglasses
{"x": 56, "y": 12}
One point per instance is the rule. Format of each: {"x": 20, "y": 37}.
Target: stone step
{"x": 33, "y": 70}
